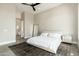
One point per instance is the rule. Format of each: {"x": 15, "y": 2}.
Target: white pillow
{"x": 54, "y": 35}
{"x": 44, "y": 34}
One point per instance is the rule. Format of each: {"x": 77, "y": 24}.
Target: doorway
{"x": 20, "y": 28}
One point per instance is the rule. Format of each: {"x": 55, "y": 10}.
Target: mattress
{"x": 48, "y": 44}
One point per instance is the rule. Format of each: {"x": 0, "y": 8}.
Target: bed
{"x": 47, "y": 41}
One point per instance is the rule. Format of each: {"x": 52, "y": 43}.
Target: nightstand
{"x": 67, "y": 38}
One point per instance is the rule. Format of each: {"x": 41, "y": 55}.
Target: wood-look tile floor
{"x": 73, "y": 50}
{"x": 69, "y": 50}
{"x": 19, "y": 39}
{"x": 5, "y": 51}
{"x": 24, "y": 49}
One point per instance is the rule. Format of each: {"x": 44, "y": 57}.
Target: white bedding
{"x": 46, "y": 43}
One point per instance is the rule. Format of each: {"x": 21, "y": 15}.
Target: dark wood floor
{"x": 64, "y": 49}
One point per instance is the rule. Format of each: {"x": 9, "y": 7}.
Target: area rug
{"x": 24, "y": 49}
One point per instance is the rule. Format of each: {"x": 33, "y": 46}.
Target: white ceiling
{"x": 20, "y": 7}
{"x": 39, "y": 8}
{"x": 45, "y": 6}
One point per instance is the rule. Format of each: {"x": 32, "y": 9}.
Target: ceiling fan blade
{"x": 32, "y": 5}
{"x": 35, "y": 4}
{"x": 33, "y": 8}
{"x": 26, "y": 4}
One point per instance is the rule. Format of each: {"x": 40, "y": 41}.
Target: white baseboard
{"x": 74, "y": 42}
{"x": 5, "y": 43}
{"x": 71, "y": 42}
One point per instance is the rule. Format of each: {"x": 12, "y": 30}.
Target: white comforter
{"x": 46, "y": 43}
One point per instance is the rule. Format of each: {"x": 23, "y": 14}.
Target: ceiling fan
{"x": 32, "y": 5}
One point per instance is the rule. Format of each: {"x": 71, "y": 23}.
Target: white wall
{"x": 62, "y": 18}
{"x": 28, "y": 24}
{"x": 26, "y": 14}
{"x": 78, "y": 25}
{"x": 18, "y": 13}
{"x": 7, "y": 23}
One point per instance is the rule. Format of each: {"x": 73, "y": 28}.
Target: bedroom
{"x": 48, "y": 18}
